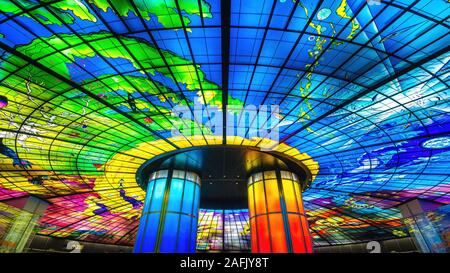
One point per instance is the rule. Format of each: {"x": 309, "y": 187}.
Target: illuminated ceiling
{"x": 87, "y": 89}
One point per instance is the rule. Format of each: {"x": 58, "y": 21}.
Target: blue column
{"x": 170, "y": 214}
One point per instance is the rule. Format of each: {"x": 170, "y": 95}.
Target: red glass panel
{"x": 277, "y": 233}
{"x": 297, "y": 234}
{"x": 263, "y": 234}
{"x": 307, "y": 235}
{"x": 253, "y": 234}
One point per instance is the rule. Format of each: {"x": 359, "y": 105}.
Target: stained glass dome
{"x": 88, "y": 89}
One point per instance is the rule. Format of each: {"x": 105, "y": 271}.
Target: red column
{"x": 277, "y": 218}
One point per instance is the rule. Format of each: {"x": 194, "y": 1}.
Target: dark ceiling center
{"x": 223, "y": 170}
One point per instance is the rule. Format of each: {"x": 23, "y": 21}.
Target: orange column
{"x": 278, "y": 222}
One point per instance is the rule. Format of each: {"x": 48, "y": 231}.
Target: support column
{"x": 170, "y": 214}
{"x": 427, "y": 225}
{"x": 278, "y": 223}
{"x": 23, "y": 214}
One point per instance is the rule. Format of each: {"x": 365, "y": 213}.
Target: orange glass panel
{"x": 297, "y": 234}
{"x": 277, "y": 233}
{"x": 268, "y": 216}
{"x": 298, "y": 194}
{"x": 263, "y": 234}
{"x": 273, "y": 196}
{"x": 289, "y": 196}
{"x": 260, "y": 201}
{"x": 251, "y": 201}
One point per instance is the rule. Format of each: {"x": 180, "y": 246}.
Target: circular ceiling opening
{"x": 223, "y": 170}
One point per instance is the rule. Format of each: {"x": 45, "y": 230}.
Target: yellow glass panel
{"x": 251, "y": 201}
{"x": 272, "y": 196}
{"x": 289, "y": 196}
{"x": 259, "y": 198}
{"x": 299, "y": 197}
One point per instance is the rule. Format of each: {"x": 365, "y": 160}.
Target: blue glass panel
{"x": 175, "y": 195}
{"x": 193, "y": 238}
{"x": 148, "y": 195}
{"x": 185, "y": 234}
{"x": 151, "y": 231}
{"x": 188, "y": 197}
{"x": 196, "y": 199}
{"x": 140, "y": 233}
{"x": 170, "y": 233}
{"x": 158, "y": 195}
